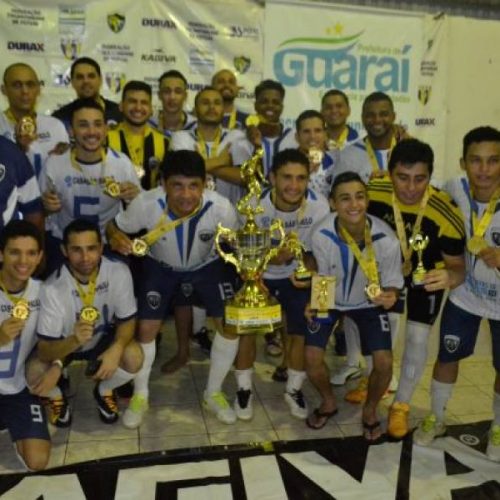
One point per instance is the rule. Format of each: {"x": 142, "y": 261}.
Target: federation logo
{"x": 187, "y": 289}
{"x": 313, "y": 326}
{"x": 153, "y": 300}
{"x": 2, "y": 172}
{"x": 242, "y": 64}
{"x": 451, "y": 343}
{"x": 495, "y": 235}
{"x": 424, "y": 94}
{"x": 206, "y": 236}
{"x": 116, "y": 22}
{"x": 70, "y": 48}
{"x": 115, "y": 81}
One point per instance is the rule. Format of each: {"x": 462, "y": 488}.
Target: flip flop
{"x": 327, "y": 415}
{"x": 368, "y": 431}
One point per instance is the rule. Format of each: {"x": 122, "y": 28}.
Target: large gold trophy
{"x": 252, "y": 310}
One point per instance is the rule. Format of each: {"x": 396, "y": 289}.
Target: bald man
{"x": 225, "y": 82}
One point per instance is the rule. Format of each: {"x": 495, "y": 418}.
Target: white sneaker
{"x": 393, "y": 386}
{"x": 217, "y": 404}
{"x": 297, "y": 404}
{"x": 345, "y": 372}
{"x": 493, "y": 449}
{"x": 133, "y": 415}
{"x": 243, "y": 404}
{"x": 428, "y": 430}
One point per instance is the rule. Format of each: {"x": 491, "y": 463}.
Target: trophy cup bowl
{"x": 419, "y": 243}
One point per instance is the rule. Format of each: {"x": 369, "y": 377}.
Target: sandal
{"x": 372, "y": 432}
{"x": 318, "y": 415}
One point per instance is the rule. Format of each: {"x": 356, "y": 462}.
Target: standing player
{"x": 88, "y": 312}
{"x": 363, "y": 254}
{"x": 478, "y": 196}
{"x": 225, "y": 82}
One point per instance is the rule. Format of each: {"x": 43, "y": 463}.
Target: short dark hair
{"x": 479, "y": 134}
{"x": 85, "y": 102}
{"x": 377, "y": 97}
{"x": 204, "y": 89}
{"x": 80, "y": 226}
{"x": 137, "y": 85}
{"x": 344, "y": 178}
{"x": 334, "y": 92}
{"x": 85, "y": 60}
{"x": 305, "y": 115}
{"x": 17, "y": 229}
{"x": 173, "y": 73}
{"x": 289, "y": 156}
{"x": 409, "y": 152}
{"x": 183, "y": 162}
{"x": 269, "y": 85}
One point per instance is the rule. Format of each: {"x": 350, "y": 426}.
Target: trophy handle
{"x": 229, "y": 236}
{"x": 276, "y": 227}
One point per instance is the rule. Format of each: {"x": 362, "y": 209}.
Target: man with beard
{"x": 225, "y": 82}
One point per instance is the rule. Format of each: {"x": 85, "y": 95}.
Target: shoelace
{"x": 110, "y": 403}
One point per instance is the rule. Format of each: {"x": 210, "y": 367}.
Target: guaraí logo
{"x": 241, "y": 64}
{"x": 115, "y": 81}
{"x": 342, "y": 62}
{"x": 116, "y": 22}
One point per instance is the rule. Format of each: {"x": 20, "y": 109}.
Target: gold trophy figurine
{"x": 252, "y": 310}
{"x": 419, "y": 243}
{"x": 294, "y": 245}
{"x": 323, "y": 295}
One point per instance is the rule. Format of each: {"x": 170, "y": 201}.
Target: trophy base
{"x": 417, "y": 284}
{"x": 252, "y": 320}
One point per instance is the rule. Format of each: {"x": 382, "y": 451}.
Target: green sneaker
{"x": 428, "y": 430}
{"x": 132, "y": 416}
{"x": 218, "y": 404}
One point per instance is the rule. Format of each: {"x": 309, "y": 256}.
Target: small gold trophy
{"x": 294, "y": 245}
{"x": 323, "y": 295}
{"x": 419, "y": 243}
{"x": 252, "y": 310}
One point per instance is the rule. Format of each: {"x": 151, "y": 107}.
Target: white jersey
{"x": 315, "y": 209}
{"x": 354, "y": 158}
{"x": 334, "y": 258}
{"x": 154, "y": 121}
{"x": 14, "y": 354}
{"x": 187, "y": 139}
{"x": 321, "y": 180}
{"x": 61, "y": 304}
{"x": 81, "y": 193}
{"x": 190, "y": 245}
{"x": 480, "y": 292}
{"x": 49, "y": 130}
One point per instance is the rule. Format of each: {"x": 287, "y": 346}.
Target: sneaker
{"x": 493, "y": 449}
{"x": 243, "y": 404}
{"x": 297, "y": 404}
{"x": 59, "y": 412}
{"x": 273, "y": 345}
{"x": 397, "y": 426}
{"x": 106, "y": 405}
{"x": 133, "y": 415}
{"x": 202, "y": 340}
{"x": 346, "y": 372}
{"x": 428, "y": 430}
{"x": 217, "y": 404}
{"x": 125, "y": 391}
{"x": 358, "y": 395}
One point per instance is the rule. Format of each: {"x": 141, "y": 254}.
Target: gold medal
{"x": 90, "y": 314}
{"x": 139, "y": 247}
{"x": 252, "y": 121}
{"x": 27, "y": 126}
{"x": 111, "y": 187}
{"x": 21, "y": 310}
{"x": 476, "y": 244}
{"x": 332, "y": 145}
{"x": 407, "y": 266}
{"x": 373, "y": 290}
{"x": 315, "y": 155}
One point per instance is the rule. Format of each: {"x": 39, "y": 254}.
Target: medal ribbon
{"x": 232, "y": 120}
{"x": 371, "y": 153}
{"x": 368, "y": 263}
{"x": 87, "y": 297}
{"x": 406, "y": 249}
{"x": 202, "y": 145}
{"x": 339, "y": 143}
{"x": 479, "y": 227}
{"x": 77, "y": 166}
{"x": 12, "y": 298}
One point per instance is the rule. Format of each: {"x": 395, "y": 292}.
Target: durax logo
{"x": 342, "y": 62}
{"x": 26, "y": 46}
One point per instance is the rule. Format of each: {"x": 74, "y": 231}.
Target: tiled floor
{"x": 177, "y": 420}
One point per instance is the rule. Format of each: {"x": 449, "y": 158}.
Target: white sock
{"x": 295, "y": 380}
{"x": 222, "y": 356}
{"x": 54, "y": 393}
{"x": 496, "y": 408}
{"x": 352, "y": 342}
{"x": 244, "y": 379}
{"x": 199, "y": 318}
{"x": 394, "y": 321}
{"x": 440, "y": 394}
{"x": 414, "y": 359}
{"x": 119, "y": 378}
{"x": 141, "y": 379}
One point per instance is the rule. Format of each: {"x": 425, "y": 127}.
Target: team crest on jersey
{"x": 116, "y": 22}
{"x": 241, "y": 64}
{"x": 154, "y": 299}
{"x": 495, "y": 235}
{"x": 70, "y": 48}
{"x": 68, "y": 181}
{"x": 205, "y": 236}
{"x": 424, "y": 94}
{"x": 451, "y": 343}
{"x": 187, "y": 289}
{"x": 2, "y": 172}
{"x": 115, "y": 81}
{"x": 313, "y": 326}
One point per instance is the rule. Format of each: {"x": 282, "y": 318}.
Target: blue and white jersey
{"x": 155, "y": 121}
{"x": 61, "y": 304}
{"x": 190, "y": 245}
{"x": 354, "y": 158}
{"x": 187, "y": 139}
{"x": 334, "y": 258}
{"x": 315, "y": 208}
{"x": 480, "y": 292}
{"x": 321, "y": 180}
{"x": 14, "y": 354}
{"x": 81, "y": 193}
{"x": 244, "y": 149}
{"x": 240, "y": 120}
{"x": 50, "y": 131}
{"x": 19, "y": 191}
